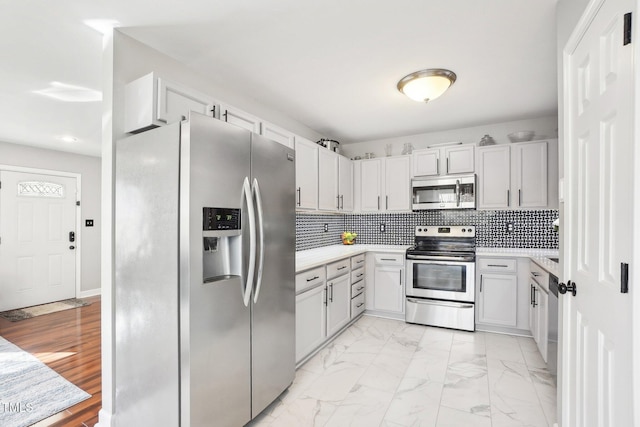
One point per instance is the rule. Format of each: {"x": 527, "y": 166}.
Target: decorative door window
{"x": 40, "y": 189}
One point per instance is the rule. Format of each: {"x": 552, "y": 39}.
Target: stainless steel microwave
{"x": 447, "y": 192}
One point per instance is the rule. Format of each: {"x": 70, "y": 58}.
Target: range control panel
{"x": 220, "y": 219}
{"x": 444, "y": 231}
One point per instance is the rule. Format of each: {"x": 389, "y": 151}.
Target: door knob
{"x": 570, "y": 286}
{"x": 72, "y": 247}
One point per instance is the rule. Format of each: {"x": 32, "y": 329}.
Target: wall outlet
{"x": 383, "y": 227}
{"x": 510, "y": 227}
{"x": 326, "y": 228}
{"x": 88, "y": 223}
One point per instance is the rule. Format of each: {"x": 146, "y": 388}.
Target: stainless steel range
{"x": 441, "y": 277}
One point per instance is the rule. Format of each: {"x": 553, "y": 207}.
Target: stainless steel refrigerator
{"x": 205, "y": 271}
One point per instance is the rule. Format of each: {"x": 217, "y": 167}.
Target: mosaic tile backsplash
{"x": 531, "y": 229}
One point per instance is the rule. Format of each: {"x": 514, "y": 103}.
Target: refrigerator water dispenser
{"x": 221, "y": 244}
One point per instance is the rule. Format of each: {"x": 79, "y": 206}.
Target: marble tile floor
{"x": 387, "y": 373}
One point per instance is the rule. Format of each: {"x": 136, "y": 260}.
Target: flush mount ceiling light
{"x": 426, "y": 85}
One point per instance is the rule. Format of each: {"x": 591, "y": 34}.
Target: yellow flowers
{"x": 349, "y": 238}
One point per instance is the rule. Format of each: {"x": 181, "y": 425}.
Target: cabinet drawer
{"x": 357, "y": 305}
{"x": 357, "y": 261}
{"x": 357, "y": 289}
{"x": 390, "y": 259}
{"x": 309, "y": 279}
{"x": 338, "y": 268}
{"x": 357, "y": 275}
{"x": 507, "y": 265}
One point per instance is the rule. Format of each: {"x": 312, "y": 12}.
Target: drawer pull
{"x": 360, "y": 261}
{"x": 360, "y": 275}
{"x": 342, "y": 268}
{"x": 388, "y": 259}
{"x": 313, "y": 278}
{"x": 360, "y": 305}
{"x": 360, "y": 288}
{"x": 497, "y": 265}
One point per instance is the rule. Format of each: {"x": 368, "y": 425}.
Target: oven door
{"x": 441, "y": 279}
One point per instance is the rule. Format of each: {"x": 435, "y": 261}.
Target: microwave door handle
{"x": 457, "y": 192}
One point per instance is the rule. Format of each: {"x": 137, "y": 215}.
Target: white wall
{"x": 544, "y": 127}
{"x": 89, "y": 169}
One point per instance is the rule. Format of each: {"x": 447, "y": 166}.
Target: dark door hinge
{"x": 77, "y": 202}
{"x": 627, "y": 29}
{"x": 624, "y": 277}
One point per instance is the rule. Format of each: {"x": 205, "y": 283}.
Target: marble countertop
{"x": 311, "y": 258}
{"x": 539, "y": 256}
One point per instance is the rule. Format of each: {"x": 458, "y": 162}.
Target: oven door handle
{"x": 441, "y": 303}
{"x": 442, "y": 258}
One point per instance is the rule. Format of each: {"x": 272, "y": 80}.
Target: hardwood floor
{"x": 69, "y": 343}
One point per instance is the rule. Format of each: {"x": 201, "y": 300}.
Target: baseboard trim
{"x": 90, "y": 293}
{"x": 104, "y": 419}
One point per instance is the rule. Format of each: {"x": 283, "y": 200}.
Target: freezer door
{"x": 273, "y": 311}
{"x": 214, "y": 321}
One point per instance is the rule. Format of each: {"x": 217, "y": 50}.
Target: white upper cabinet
{"x": 459, "y": 159}
{"x": 371, "y": 184}
{"x": 240, "y": 118}
{"x": 426, "y": 162}
{"x": 518, "y": 176}
{"x": 328, "y": 198}
{"x": 278, "y": 134}
{"x": 385, "y": 184}
{"x": 529, "y": 174}
{"x": 455, "y": 159}
{"x": 397, "y": 184}
{"x": 494, "y": 171}
{"x": 306, "y": 174}
{"x": 151, "y": 101}
{"x": 345, "y": 184}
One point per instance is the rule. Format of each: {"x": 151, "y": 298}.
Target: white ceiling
{"x": 332, "y": 65}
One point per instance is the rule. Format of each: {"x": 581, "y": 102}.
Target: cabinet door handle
{"x": 508, "y": 198}
{"x": 326, "y": 292}
{"x": 447, "y": 165}
{"x": 531, "y": 295}
{"x": 342, "y": 201}
{"x": 386, "y": 202}
{"x": 481, "y": 280}
{"x": 438, "y": 166}
{"x": 338, "y": 201}
{"x": 331, "y": 295}
{"x": 519, "y": 197}
{"x": 535, "y": 291}
{"x": 378, "y": 202}
{"x": 299, "y": 196}
{"x": 400, "y": 271}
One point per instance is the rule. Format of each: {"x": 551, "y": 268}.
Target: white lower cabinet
{"x": 324, "y": 302}
{"x": 539, "y": 307}
{"x": 385, "y": 284}
{"x": 338, "y": 303}
{"x": 311, "y": 321}
{"x": 498, "y": 299}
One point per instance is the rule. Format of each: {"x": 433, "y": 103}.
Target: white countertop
{"x": 539, "y": 256}
{"x": 311, "y": 258}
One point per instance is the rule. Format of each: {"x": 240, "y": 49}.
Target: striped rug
{"x": 30, "y": 391}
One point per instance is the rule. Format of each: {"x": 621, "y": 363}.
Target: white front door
{"x": 597, "y": 323}
{"x": 37, "y": 259}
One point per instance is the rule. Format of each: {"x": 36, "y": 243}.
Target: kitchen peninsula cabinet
{"x": 450, "y": 160}
{"x": 306, "y": 174}
{"x": 518, "y": 176}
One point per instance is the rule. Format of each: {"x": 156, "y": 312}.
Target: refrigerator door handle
{"x": 246, "y": 192}
{"x": 258, "y": 200}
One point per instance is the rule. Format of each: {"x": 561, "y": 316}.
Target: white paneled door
{"x": 37, "y": 258}
{"x": 597, "y": 322}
